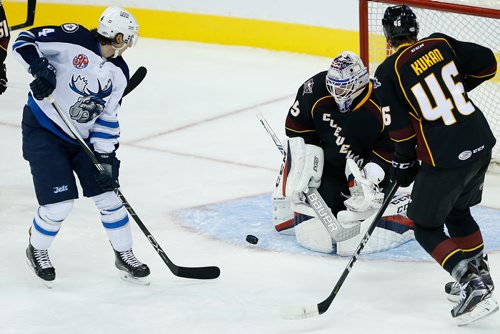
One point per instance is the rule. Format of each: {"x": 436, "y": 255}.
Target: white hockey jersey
{"x": 89, "y": 88}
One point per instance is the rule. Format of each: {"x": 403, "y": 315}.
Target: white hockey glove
{"x": 303, "y": 171}
{"x": 365, "y": 194}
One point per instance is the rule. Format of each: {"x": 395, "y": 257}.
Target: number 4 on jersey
{"x": 45, "y": 32}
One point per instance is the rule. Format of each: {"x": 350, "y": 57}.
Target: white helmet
{"x": 115, "y": 20}
{"x": 346, "y": 78}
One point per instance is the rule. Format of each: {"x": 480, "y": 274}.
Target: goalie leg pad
{"x": 392, "y": 230}
{"x": 312, "y": 234}
{"x": 303, "y": 170}
{"x": 283, "y": 216}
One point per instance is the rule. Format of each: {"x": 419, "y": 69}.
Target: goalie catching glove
{"x": 365, "y": 192}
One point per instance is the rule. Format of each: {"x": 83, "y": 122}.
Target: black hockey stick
{"x": 186, "y": 272}
{"x": 135, "y": 80}
{"x": 303, "y": 312}
{"x": 30, "y": 16}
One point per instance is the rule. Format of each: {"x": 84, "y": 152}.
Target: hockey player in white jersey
{"x": 84, "y": 72}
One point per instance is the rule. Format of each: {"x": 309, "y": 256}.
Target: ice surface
{"x": 190, "y": 139}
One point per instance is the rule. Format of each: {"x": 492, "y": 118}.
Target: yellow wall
{"x": 202, "y": 28}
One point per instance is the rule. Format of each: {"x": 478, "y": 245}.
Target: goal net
{"x": 468, "y": 20}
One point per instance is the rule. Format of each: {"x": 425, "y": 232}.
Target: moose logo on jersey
{"x": 91, "y": 104}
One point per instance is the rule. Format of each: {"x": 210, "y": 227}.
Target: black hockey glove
{"x": 108, "y": 179}
{"x": 403, "y": 170}
{"x": 3, "y": 79}
{"x": 45, "y": 78}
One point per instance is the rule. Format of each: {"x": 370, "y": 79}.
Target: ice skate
{"x": 39, "y": 262}
{"x": 452, "y": 289}
{"x": 130, "y": 268}
{"x": 476, "y": 299}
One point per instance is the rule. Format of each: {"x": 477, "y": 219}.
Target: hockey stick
{"x": 323, "y": 212}
{"x": 186, "y": 272}
{"x": 303, "y": 312}
{"x": 271, "y": 133}
{"x": 135, "y": 80}
{"x": 30, "y": 16}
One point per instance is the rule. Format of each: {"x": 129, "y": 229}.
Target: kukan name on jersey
{"x": 430, "y": 58}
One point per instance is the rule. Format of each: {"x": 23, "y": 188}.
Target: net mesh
{"x": 465, "y": 27}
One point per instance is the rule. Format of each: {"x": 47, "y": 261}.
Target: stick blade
{"x": 211, "y": 272}
{"x": 299, "y": 312}
{"x": 135, "y": 80}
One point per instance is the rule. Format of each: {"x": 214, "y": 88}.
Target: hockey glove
{"x": 45, "y": 78}
{"x": 3, "y": 79}
{"x": 403, "y": 170}
{"x": 365, "y": 192}
{"x": 108, "y": 178}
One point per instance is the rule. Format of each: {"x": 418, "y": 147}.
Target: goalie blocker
{"x": 293, "y": 216}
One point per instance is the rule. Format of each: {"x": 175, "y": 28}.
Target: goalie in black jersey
{"x": 423, "y": 89}
{"x": 335, "y": 117}
{"x": 4, "y": 43}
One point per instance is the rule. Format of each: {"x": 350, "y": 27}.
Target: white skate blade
{"x": 135, "y": 280}
{"x": 47, "y": 284}
{"x": 482, "y": 310}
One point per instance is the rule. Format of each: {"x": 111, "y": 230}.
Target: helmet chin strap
{"x": 119, "y": 51}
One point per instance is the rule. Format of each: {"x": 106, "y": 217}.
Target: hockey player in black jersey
{"x": 4, "y": 42}
{"x": 334, "y": 117}
{"x": 423, "y": 87}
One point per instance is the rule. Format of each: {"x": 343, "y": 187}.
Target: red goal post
{"x": 475, "y": 21}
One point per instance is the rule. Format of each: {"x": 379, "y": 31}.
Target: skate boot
{"x": 476, "y": 299}
{"x": 130, "y": 268}
{"x": 452, "y": 289}
{"x": 39, "y": 262}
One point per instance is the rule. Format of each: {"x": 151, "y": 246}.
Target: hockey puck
{"x": 252, "y": 239}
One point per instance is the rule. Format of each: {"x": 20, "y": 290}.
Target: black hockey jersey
{"x": 423, "y": 88}
{"x": 358, "y": 134}
{"x": 4, "y": 34}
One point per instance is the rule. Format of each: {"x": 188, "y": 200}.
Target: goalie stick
{"x": 210, "y": 272}
{"x": 271, "y": 133}
{"x": 30, "y": 16}
{"x": 325, "y": 215}
{"x": 304, "y": 312}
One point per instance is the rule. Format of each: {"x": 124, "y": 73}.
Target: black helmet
{"x": 399, "y": 21}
